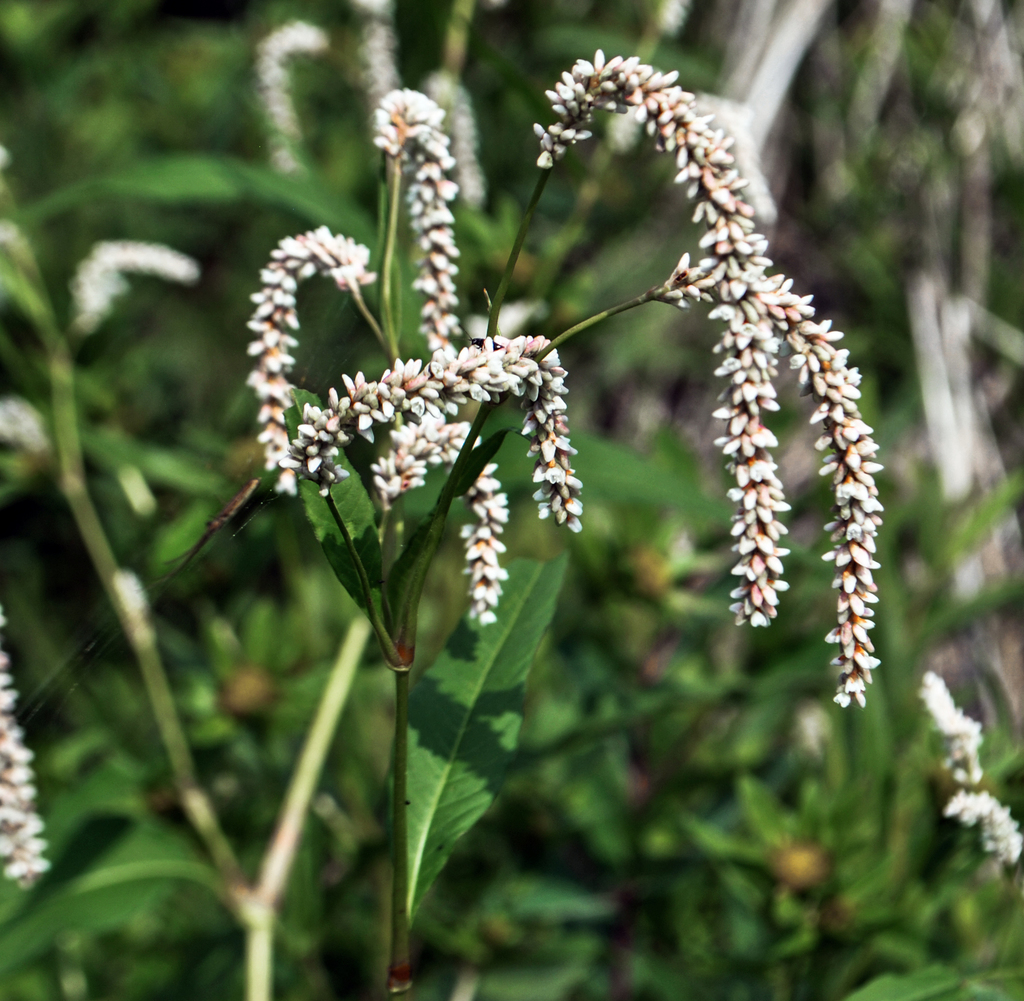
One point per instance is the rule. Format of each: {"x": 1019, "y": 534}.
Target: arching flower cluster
{"x": 483, "y": 373}
{"x": 21, "y": 848}
{"x": 760, "y": 311}
{"x": 408, "y": 127}
{"x": 274, "y": 320}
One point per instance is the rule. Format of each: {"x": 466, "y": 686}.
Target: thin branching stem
{"x": 590, "y": 321}
{"x": 387, "y": 266}
{"x": 280, "y": 854}
{"x": 357, "y": 295}
{"x": 513, "y": 257}
{"x": 135, "y": 621}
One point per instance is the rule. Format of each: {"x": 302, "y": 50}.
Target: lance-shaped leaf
{"x": 464, "y": 718}
{"x": 356, "y": 510}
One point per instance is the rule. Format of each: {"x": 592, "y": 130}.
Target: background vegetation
{"x": 689, "y": 814}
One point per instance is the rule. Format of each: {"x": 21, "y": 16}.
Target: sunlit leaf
{"x": 464, "y": 718}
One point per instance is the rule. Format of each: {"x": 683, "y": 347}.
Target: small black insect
{"x": 478, "y": 342}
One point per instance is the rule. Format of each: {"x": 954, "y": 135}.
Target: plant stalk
{"x": 134, "y": 616}
{"x": 387, "y": 647}
{"x": 357, "y": 295}
{"x": 387, "y": 266}
{"x": 513, "y": 257}
{"x": 598, "y": 317}
{"x": 280, "y": 854}
{"x": 259, "y": 951}
{"x": 455, "y": 38}
{"x": 399, "y": 971}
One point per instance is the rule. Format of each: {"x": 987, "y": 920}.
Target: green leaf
{"x": 464, "y": 718}
{"x": 984, "y": 516}
{"x": 111, "y": 870}
{"x": 766, "y": 819}
{"x": 932, "y": 982}
{"x": 181, "y": 179}
{"x": 356, "y": 511}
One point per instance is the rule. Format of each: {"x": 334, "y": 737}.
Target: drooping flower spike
{"x": 21, "y": 848}
{"x": 408, "y": 129}
{"x": 275, "y": 320}
{"x": 758, "y": 308}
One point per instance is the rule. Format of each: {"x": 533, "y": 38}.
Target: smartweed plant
{"x": 442, "y": 407}
{"x": 419, "y": 398}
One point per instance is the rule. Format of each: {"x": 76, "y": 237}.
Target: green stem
{"x": 134, "y": 616}
{"x": 455, "y": 38}
{"x": 408, "y": 612}
{"x": 510, "y": 264}
{"x": 357, "y": 295}
{"x": 280, "y": 854}
{"x": 567, "y": 237}
{"x": 598, "y": 317}
{"x": 386, "y": 645}
{"x": 387, "y": 266}
{"x": 259, "y": 951}
{"x": 399, "y": 972}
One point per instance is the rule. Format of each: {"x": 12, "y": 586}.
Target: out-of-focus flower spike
{"x": 451, "y": 95}
{"x": 21, "y": 427}
{"x": 99, "y": 279}
{"x": 960, "y": 733}
{"x": 273, "y": 85}
{"x": 21, "y": 848}
{"x": 378, "y": 49}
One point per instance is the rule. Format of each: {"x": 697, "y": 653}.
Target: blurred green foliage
{"x": 688, "y": 814}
